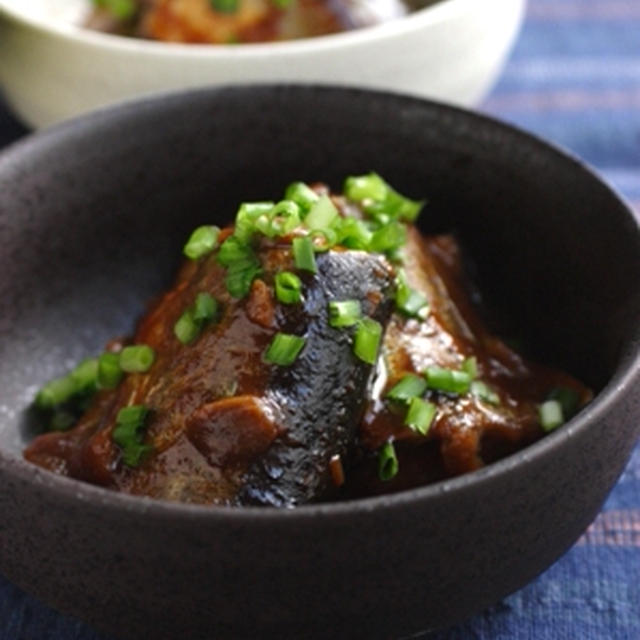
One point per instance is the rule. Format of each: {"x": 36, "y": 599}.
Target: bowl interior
{"x": 93, "y": 215}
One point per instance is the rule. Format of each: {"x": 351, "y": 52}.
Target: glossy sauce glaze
{"x": 227, "y": 427}
{"x": 467, "y": 432}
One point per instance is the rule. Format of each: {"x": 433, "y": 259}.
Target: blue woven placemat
{"x": 574, "y": 78}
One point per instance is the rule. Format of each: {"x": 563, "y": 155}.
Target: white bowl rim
{"x": 418, "y": 20}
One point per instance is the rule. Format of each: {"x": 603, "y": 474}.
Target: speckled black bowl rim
{"x": 71, "y": 490}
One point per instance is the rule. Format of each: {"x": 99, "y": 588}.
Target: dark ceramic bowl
{"x": 92, "y": 217}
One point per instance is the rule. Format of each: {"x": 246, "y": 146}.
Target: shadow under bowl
{"x": 93, "y": 214}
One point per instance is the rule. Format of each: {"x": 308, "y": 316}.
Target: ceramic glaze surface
{"x": 51, "y": 68}
{"x": 92, "y": 218}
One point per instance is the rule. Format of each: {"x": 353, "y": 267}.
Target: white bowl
{"x": 52, "y": 68}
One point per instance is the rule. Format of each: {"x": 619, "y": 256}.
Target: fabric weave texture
{"x": 574, "y": 79}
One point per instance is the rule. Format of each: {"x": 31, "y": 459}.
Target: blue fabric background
{"x": 574, "y": 78}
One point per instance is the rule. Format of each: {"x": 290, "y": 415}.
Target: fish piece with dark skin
{"x": 467, "y": 431}
{"x": 226, "y": 427}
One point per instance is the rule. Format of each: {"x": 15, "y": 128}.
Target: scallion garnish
{"x": 353, "y": 233}
{"x": 303, "y": 195}
{"x": 345, "y": 313}
{"x": 568, "y": 398}
{"x": 186, "y": 329}
{"x": 550, "y": 414}
{"x": 248, "y": 213}
{"x": 109, "y": 371}
{"x": 62, "y": 420}
{"x": 322, "y": 239}
{"x": 484, "y": 392}
{"x": 388, "y": 238}
{"x": 137, "y": 358}
{"x": 85, "y": 375}
{"x": 387, "y": 462}
{"x": 189, "y": 325}
{"x": 470, "y": 365}
{"x": 401, "y": 207}
{"x": 303, "y": 255}
{"x": 288, "y": 288}
{"x": 380, "y": 200}
{"x": 322, "y": 214}
{"x": 120, "y": 9}
{"x": 55, "y": 392}
{"x": 409, "y": 301}
{"x": 205, "y": 307}
{"x": 129, "y": 433}
{"x": 284, "y": 349}
{"x": 201, "y": 242}
{"x": 224, "y": 6}
{"x": 240, "y": 276}
{"x": 411, "y": 386}
{"x": 82, "y": 380}
{"x": 366, "y": 341}
{"x": 447, "y": 380}
{"x": 283, "y": 218}
{"x": 420, "y": 415}
{"x": 234, "y": 250}
{"x": 366, "y": 187}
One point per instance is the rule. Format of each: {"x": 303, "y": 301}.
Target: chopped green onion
{"x": 205, "y": 307}
{"x": 137, "y": 358}
{"x": 201, "y": 242}
{"x": 186, "y": 329}
{"x": 284, "y": 349}
{"x": 366, "y": 342}
{"x": 409, "y": 301}
{"x": 240, "y": 276}
{"x": 234, "y": 250}
{"x": 85, "y": 375}
{"x": 447, "y": 380}
{"x": 134, "y": 414}
{"x": 388, "y": 238}
{"x": 121, "y": 9}
{"x": 109, "y": 371}
{"x": 303, "y": 255}
{"x": 550, "y": 414}
{"x": 387, "y": 462}
{"x": 484, "y": 392}
{"x": 62, "y": 420}
{"x": 568, "y": 399}
{"x": 248, "y": 213}
{"x": 224, "y": 6}
{"x": 323, "y": 239}
{"x": 380, "y": 200}
{"x": 282, "y": 4}
{"x": 353, "y": 233}
{"x": 189, "y": 325}
{"x": 303, "y": 195}
{"x": 129, "y": 432}
{"x": 366, "y": 187}
{"x": 420, "y": 415}
{"x": 322, "y": 214}
{"x": 345, "y": 313}
{"x": 288, "y": 288}
{"x": 401, "y": 207}
{"x": 411, "y": 386}
{"x": 284, "y": 218}
{"x": 55, "y": 392}
{"x": 470, "y": 365}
